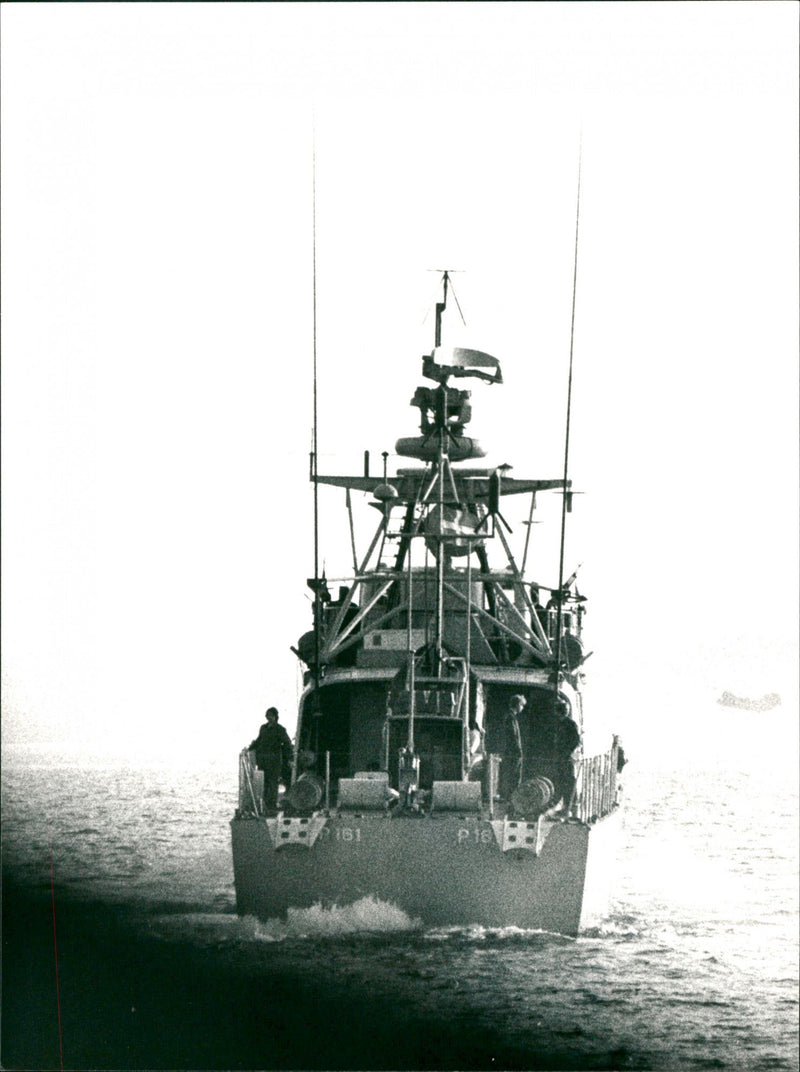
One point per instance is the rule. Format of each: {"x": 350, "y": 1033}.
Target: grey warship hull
{"x": 441, "y": 870}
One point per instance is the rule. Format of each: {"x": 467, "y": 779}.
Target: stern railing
{"x": 250, "y": 793}
{"x": 597, "y": 786}
{"x": 596, "y": 793}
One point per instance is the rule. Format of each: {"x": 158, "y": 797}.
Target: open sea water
{"x": 122, "y": 948}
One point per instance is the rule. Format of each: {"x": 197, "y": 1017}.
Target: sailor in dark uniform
{"x": 567, "y": 739}
{"x": 511, "y": 748}
{"x": 273, "y": 752}
{"x": 554, "y": 737}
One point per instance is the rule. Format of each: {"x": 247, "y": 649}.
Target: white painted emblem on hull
{"x": 295, "y": 831}
{"x": 518, "y": 834}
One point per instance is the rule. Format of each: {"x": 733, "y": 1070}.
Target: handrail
{"x": 596, "y": 794}
{"x": 595, "y": 797}
{"x": 246, "y": 781}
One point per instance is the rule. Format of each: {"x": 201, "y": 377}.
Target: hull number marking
{"x": 479, "y": 837}
{"x": 342, "y": 833}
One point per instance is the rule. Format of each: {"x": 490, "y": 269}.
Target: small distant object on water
{"x": 744, "y": 703}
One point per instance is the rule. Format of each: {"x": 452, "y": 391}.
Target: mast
{"x": 314, "y": 435}
{"x": 565, "y": 493}
{"x": 440, "y": 308}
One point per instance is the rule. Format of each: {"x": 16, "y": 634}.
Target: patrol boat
{"x": 397, "y": 786}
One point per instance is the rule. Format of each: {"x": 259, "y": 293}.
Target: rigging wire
{"x": 567, "y": 430}
{"x": 446, "y": 274}
{"x": 455, "y": 299}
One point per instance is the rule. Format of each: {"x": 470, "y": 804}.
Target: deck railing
{"x": 595, "y": 795}
{"x": 596, "y": 792}
{"x": 251, "y": 785}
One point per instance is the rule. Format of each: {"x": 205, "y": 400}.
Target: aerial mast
{"x": 440, "y": 308}
{"x": 314, "y": 434}
{"x": 565, "y": 501}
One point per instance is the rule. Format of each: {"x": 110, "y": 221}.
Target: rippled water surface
{"x": 695, "y": 965}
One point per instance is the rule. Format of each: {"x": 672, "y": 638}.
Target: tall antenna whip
{"x": 565, "y": 493}
{"x": 314, "y": 344}
{"x": 314, "y": 443}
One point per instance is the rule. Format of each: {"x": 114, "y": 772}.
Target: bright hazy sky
{"x": 157, "y": 335}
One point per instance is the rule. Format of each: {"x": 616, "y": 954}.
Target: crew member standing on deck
{"x": 273, "y": 751}
{"x": 511, "y": 767}
{"x": 567, "y": 739}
